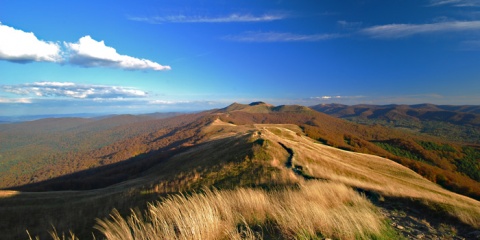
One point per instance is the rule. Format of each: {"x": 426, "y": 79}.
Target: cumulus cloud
{"x": 88, "y": 52}
{"x": 234, "y": 17}
{"x": 405, "y": 30}
{"x": 279, "y": 37}
{"x": 19, "y": 46}
{"x": 23, "y": 47}
{"x": 73, "y": 90}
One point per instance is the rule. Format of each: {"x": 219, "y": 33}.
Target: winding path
{"x": 297, "y": 169}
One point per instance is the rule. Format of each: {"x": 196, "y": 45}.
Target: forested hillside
{"x": 40, "y": 150}
{"x": 455, "y": 123}
{"x": 453, "y": 165}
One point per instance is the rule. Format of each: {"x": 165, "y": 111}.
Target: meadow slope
{"x": 251, "y": 181}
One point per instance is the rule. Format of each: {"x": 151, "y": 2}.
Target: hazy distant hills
{"x": 461, "y": 115}
{"x": 458, "y": 123}
{"x": 25, "y": 118}
{"x": 244, "y": 151}
{"x": 42, "y": 149}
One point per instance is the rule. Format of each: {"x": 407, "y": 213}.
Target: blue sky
{"x": 63, "y": 57}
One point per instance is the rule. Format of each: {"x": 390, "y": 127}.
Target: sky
{"x": 68, "y": 57}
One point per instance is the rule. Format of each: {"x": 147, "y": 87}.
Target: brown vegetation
{"x": 272, "y": 165}
{"x": 32, "y": 154}
{"x": 453, "y": 123}
{"x": 437, "y": 165}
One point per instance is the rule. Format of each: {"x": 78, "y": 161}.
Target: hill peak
{"x": 260, "y": 103}
{"x": 234, "y": 106}
{"x": 254, "y": 107}
{"x": 262, "y": 107}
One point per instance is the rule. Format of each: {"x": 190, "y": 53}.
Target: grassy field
{"x": 377, "y": 174}
{"x": 249, "y": 181}
{"x": 314, "y": 210}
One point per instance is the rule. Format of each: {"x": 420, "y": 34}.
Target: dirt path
{"x": 297, "y": 169}
{"x": 412, "y": 220}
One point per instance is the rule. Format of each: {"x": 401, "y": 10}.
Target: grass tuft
{"x": 315, "y": 209}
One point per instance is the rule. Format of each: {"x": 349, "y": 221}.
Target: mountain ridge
{"x": 456, "y": 123}
{"x": 463, "y": 114}
{"x": 451, "y": 165}
{"x": 252, "y": 156}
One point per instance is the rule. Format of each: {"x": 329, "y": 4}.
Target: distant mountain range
{"x": 458, "y": 123}
{"x": 25, "y": 118}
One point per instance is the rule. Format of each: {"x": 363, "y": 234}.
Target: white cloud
{"x": 234, "y": 17}
{"x": 405, "y": 30}
{"x": 19, "y": 46}
{"x": 279, "y": 37}
{"x": 22, "y": 47}
{"x": 88, "y": 52}
{"x": 456, "y": 3}
{"x": 334, "y": 97}
{"x": 15, "y": 100}
{"x": 73, "y": 90}
{"x": 166, "y": 102}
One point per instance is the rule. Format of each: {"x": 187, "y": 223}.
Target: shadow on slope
{"x": 40, "y": 150}
{"x": 226, "y": 161}
{"x": 167, "y": 144}
{"x": 279, "y": 155}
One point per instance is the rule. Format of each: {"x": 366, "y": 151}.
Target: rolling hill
{"x": 456, "y": 123}
{"x": 39, "y": 150}
{"x": 452, "y": 165}
{"x": 248, "y": 171}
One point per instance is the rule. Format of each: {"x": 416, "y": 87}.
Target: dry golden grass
{"x": 316, "y": 209}
{"x": 376, "y": 174}
{"x": 327, "y": 209}
{"x": 253, "y": 156}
